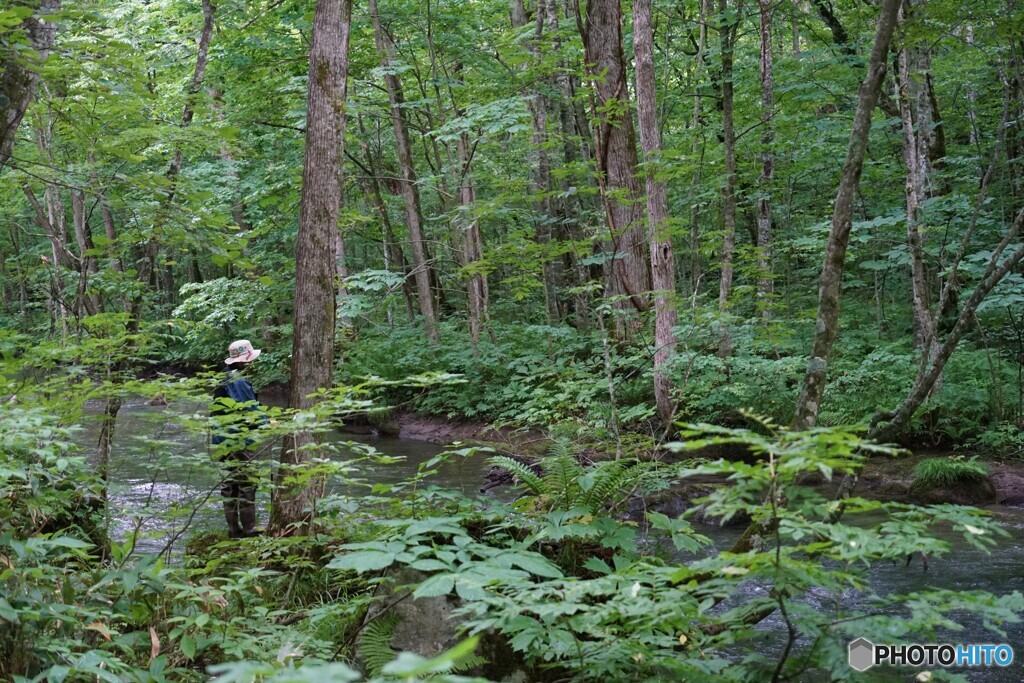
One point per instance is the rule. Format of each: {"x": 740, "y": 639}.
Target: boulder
{"x": 428, "y": 627}
{"x": 979, "y": 492}
{"x": 1009, "y": 487}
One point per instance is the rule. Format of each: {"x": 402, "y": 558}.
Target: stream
{"x": 164, "y": 486}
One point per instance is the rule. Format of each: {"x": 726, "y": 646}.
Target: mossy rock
{"x": 428, "y": 626}
{"x": 952, "y": 480}
{"x": 976, "y": 492}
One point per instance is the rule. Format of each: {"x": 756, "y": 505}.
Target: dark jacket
{"x": 238, "y": 389}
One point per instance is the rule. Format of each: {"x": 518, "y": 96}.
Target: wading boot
{"x": 247, "y": 512}
{"x": 231, "y": 515}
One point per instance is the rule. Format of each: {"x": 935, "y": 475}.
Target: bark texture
{"x": 831, "y": 283}
{"x": 658, "y": 228}
{"x": 627, "y": 274}
{"x": 472, "y": 245}
{"x": 18, "y": 77}
{"x": 315, "y": 309}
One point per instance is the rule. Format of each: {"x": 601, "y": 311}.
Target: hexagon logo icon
{"x": 862, "y": 654}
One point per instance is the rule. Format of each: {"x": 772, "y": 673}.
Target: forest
{"x": 592, "y": 340}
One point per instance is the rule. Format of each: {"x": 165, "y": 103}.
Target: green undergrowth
{"x": 948, "y": 472}
{"x": 554, "y": 377}
{"x": 558, "y": 578}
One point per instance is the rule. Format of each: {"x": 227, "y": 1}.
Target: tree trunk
{"x": 315, "y": 306}
{"x": 19, "y": 73}
{"x": 540, "y": 108}
{"x": 928, "y": 373}
{"x": 393, "y": 250}
{"x": 472, "y": 245}
{"x": 765, "y": 280}
{"x": 627, "y": 272}
{"x": 695, "y": 149}
{"x": 727, "y": 35}
{"x": 658, "y": 227}
{"x": 86, "y": 259}
{"x": 410, "y": 191}
{"x": 831, "y": 282}
{"x": 575, "y": 134}
{"x": 205, "y": 35}
{"x": 924, "y": 322}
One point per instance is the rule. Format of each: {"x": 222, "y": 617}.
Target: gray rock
{"x": 428, "y": 627}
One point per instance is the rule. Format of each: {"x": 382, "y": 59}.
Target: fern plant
{"x": 375, "y": 642}
{"x": 375, "y": 647}
{"x": 564, "y": 483}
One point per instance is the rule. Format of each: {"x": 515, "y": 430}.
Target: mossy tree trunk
{"x": 315, "y": 306}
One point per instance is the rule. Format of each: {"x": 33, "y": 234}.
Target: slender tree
{"x": 154, "y": 245}
{"x": 410, "y": 191}
{"x": 315, "y": 309}
{"x": 472, "y": 244}
{"x": 831, "y": 282}
{"x": 658, "y": 227}
{"x": 727, "y": 27}
{"x": 696, "y": 147}
{"x": 765, "y": 279}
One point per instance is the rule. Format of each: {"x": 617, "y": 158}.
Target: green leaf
{"x": 437, "y": 585}
{"x": 536, "y": 564}
{"x": 363, "y": 561}
{"x": 188, "y": 646}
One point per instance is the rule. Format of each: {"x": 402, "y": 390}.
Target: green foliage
{"x": 375, "y": 642}
{"x": 566, "y": 484}
{"x": 948, "y": 472}
{"x": 1002, "y": 440}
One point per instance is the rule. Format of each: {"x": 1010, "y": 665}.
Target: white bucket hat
{"x": 241, "y": 351}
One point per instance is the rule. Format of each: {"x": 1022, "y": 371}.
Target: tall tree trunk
{"x": 924, "y": 322}
{"x": 727, "y": 35}
{"x": 574, "y": 131}
{"x": 472, "y": 245}
{"x": 765, "y": 280}
{"x": 410, "y": 191}
{"x": 696, "y": 146}
{"x": 19, "y": 73}
{"x": 540, "y": 111}
{"x": 658, "y": 228}
{"x": 627, "y": 272}
{"x": 315, "y": 306}
{"x": 831, "y": 283}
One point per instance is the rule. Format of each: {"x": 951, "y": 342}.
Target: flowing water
{"x": 164, "y": 486}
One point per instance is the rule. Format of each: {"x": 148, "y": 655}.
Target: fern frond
{"x": 562, "y": 448}
{"x": 523, "y": 474}
{"x": 375, "y": 642}
{"x": 606, "y": 483}
{"x": 466, "y": 662}
{"x": 561, "y": 475}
